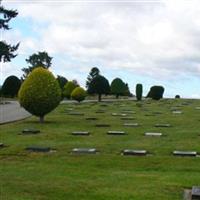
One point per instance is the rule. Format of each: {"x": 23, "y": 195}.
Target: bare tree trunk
{"x": 41, "y": 119}
{"x": 99, "y": 97}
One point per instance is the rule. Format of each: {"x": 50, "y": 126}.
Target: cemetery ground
{"x": 108, "y": 174}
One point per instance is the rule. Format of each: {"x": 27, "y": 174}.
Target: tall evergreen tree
{"x": 40, "y": 59}
{"x": 7, "y": 51}
{"x": 93, "y": 73}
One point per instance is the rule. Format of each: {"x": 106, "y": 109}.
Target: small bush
{"x": 78, "y": 94}
{"x": 68, "y": 88}
{"x": 177, "y": 96}
{"x": 11, "y": 87}
{"x": 40, "y": 93}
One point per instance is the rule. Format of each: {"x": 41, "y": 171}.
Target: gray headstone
{"x": 197, "y": 108}
{"x": 153, "y": 134}
{"x": 83, "y": 133}
{"x": 84, "y": 151}
{"x": 116, "y": 133}
{"x": 196, "y": 193}
{"x": 185, "y": 153}
{"x": 38, "y": 149}
{"x": 30, "y": 131}
{"x": 128, "y": 111}
{"x": 163, "y": 125}
{"x": 132, "y": 152}
{"x": 131, "y": 124}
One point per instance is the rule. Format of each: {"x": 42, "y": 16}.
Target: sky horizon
{"x": 148, "y": 42}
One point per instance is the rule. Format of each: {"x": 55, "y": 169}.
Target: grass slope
{"x": 107, "y": 175}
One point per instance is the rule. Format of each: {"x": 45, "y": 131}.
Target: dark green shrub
{"x": 118, "y": 87}
{"x": 68, "y": 89}
{"x": 139, "y": 90}
{"x": 177, "y": 96}
{"x": 99, "y": 85}
{"x": 40, "y": 93}
{"x": 78, "y": 94}
{"x": 156, "y": 92}
{"x": 11, "y": 87}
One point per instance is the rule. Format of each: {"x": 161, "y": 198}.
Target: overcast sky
{"x": 148, "y": 42}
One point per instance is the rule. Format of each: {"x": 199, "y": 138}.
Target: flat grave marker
{"x": 131, "y": 124}
{"x": 163, "y": 125}
{"x": 133, "y": 152}
{"x": 102, "y": 125}
{"x": 76, "y": 113}
{"x": 81, "y": 133}
{"x": 91, "y": 118}
{"x": 153, "y": 134}
{"x": 38, "y": 149}
{"x": 30, "y": 131}
{"x": 196, "y": 193}
{"x": 100, "y": 111}
{"x": 2, "y": 145}
{"x": 197, "y": 108}
{"x": 177, "y": 112}
{"x": 119, "y": 114}
{"x": 116, "y": 133}
{"x": 185, "y": 153}
{"x": 127, "y": 118}
{"x": 84, "y": 151}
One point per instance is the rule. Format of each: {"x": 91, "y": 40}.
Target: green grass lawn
{"x": 107, "y": 175}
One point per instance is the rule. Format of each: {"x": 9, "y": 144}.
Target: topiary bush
{"x": 68, "y": 88}
{"x": 11, "y": 87}
{"x": 156, "y": 92}
{"x": 78, "y": 94}
{"x": 40, "y": 93}
{"x": 139, "y": 90}
{"x": 177, "y": 96}
{"x": 118, "y": 87}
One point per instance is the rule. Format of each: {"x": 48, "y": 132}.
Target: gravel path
{"x": 12, "y": 111}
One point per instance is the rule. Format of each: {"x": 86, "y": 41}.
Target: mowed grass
{"x": 107, "y": 175}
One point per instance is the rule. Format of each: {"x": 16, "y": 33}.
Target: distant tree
{"x": 139, "y": 90}
{"x": 11, "y": 86}
{"x": 75, "y": 82}
{"x": 93, "y": 73}
{"x": 68, "y": 89}
{"x": 177, "y": 96}
{"x": 7, "y": 51}
{"x": 62, "y": 81}
{"x": 156, "y": 92}
{"x": 118, "y": 87}
{"x": 99, "y": 85}
{"x": 40, "y": 59}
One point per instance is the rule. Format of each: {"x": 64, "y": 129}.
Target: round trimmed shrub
{"x": 11, "y": 86}
{"x": 78, "y": 94}
{"x": 177, "y": 96}
{"x": 40, "y": 93}
{"x": 68, "y": 88}
{"x": 118, "y": 87}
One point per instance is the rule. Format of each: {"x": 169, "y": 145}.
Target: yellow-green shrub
{"x": 78, "y": 94}
{"x": 40, "y": 93}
